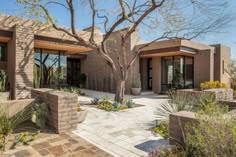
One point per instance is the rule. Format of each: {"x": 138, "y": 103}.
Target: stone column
{"x": 23, "y": 54}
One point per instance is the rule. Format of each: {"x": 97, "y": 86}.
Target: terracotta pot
{"x": 136, "y": 91}
{"x": 82, "y": 116}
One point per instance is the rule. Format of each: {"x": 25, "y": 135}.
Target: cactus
{"x": 3, "y": 78}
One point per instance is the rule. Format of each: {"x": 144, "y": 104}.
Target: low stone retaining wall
{"x": 62, "y": 108}
{"x": 15, "y": 106}
{"x": 220, "y": 93}
{"x": 177, "y": 122}
{"x": 230, "y": 103}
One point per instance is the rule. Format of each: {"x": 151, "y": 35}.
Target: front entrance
{"x": 177, "y": 72}
{"x": 73, "y": 71}
{"x": 149, "y": 78}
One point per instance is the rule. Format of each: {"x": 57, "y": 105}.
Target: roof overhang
{"x": 171, "y": 51}
{"x": 171, "y": 47}
{"x": 69, "y": 47}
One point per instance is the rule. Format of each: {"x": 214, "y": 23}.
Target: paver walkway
{"x": 54, "y": 145}
{"x": 123, "y": 133}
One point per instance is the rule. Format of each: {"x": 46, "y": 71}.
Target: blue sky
{"x": 227, "y": 37}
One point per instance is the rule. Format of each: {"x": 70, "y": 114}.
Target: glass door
{"x": 150, "y": 73}
{"x": 73, "y": 71}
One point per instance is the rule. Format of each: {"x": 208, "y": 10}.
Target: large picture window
{"x": 50, "y": 68}
{"x": 3, "y": 52}
{"x": 177, "y": 72}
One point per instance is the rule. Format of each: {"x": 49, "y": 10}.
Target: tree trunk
{"x": 120, "y": 91}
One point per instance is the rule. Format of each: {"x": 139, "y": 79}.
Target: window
{"x": 50, "y": 68}
{"x": 3, "y": 52}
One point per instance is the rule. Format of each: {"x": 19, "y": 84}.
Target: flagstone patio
{"x": 125, "y": 133}
{"x": 53, "y": 145}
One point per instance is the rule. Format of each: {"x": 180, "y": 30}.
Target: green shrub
{"x": 163, "y": 130}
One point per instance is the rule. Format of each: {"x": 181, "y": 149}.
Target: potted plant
{"x": 82, "y": 80}
{"x": 3, "y": 91}
{"x": 81, "y": 114}
{"x": 136, "y": 87}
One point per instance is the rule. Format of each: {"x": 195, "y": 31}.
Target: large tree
{"x": 164, "y": 19}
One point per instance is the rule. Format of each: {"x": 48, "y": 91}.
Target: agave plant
{"x": 176, "y": 103}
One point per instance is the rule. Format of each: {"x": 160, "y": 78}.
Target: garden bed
{"x": 109, "y": 105}
{"x": 219, "y": 93}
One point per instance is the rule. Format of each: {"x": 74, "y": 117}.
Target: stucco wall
{"x": 203, "y": 66}
{"x": 99, "y": 74}
{"x": 221, "y": 61}
{"x": 156, "y": 74}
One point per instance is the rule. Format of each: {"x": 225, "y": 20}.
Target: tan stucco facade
{"x": 23, "y": 36}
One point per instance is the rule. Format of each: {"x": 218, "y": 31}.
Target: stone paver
{"x": 54, "y": 145}
{"x": 123, "y": 133}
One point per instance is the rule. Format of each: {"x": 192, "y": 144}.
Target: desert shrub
{"x": 70, "y": 89}
{"x": 214, "y": 135}
{"x": 163, "y": 130}
{"x": 208, "y": 104}
{"x": 171, "y": 151}
{"x": 212, "y": 85}
{"x": 95, "y": 101}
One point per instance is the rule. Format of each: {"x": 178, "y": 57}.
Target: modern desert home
{"x": 33, "y": 54}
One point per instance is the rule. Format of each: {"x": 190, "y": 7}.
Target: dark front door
{"x": 149, "y": 74}
{"x": 73, "y": 71}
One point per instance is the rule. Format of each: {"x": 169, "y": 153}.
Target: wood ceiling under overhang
{"x": 5, "y": 36}
{"x": 70, "y": 47}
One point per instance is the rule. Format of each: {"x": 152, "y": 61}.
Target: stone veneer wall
{"x": 62, "y": 108}
{"x": 99, "y": 74}
{"x": 21, "y": 62}
{"x": 220, "y": 94}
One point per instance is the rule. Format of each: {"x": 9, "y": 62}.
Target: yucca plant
{"x": 9, "y": 123}
{"x": 176, "y": 103}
